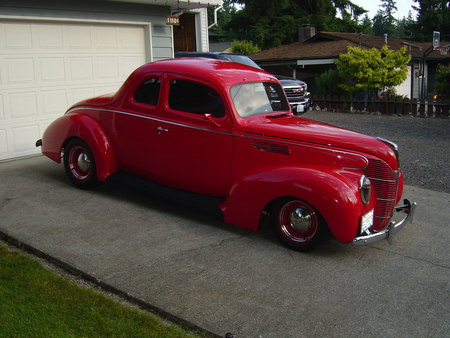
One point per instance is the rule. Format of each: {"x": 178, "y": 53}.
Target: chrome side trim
{"x": 381, "y": 180}
{"x": 152, "y": 119}
{"x": 225, "y": 133}
{"x": 408, "y": 208}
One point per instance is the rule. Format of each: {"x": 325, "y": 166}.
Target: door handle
{"x": 160, "y": 129}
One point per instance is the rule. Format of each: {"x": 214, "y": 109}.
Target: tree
{"x": 404, "y": 27}
{"x": 224, "y": 16}
{"x": 326, "y": 83}
{"x": 384, "y": 21}
{"x": 443, "y": 81}
{"x": 269, "y": 23}
{"x": 372, "y": 69}
{"x": 433, "y": 15}
{"x": 366, "y": 25}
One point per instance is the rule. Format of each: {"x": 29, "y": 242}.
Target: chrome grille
{"x": 384, "y": 182}
{"x": 295, "y": 93}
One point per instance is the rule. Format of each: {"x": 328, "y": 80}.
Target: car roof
{"x": 221, "y": 73}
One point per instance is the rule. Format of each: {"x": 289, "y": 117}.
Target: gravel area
{"x": 424, "y": 143}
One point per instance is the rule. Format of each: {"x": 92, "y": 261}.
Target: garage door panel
{"x": 106, "y": 38}
{"x": 3, "y": 144}
{"x": 46, "y": 67}
{"x": 77, "y": 37}
{"x": 2, "y": 114}
{"x": 108, "y": 67}
{"x": 78, "y": 94}
{"x": 18, "y": 36}
{"x": 19, "y": 71}
{"x": 22, "y": 137}
{"x": 81, "y": 68}
{"x": 52, "y": 69}
{"x": 49, "y": 37}
{"x": 21, "y": 105}
{"x": 128, "y": 64}
{"x": 54, "y": 101}
{"x": 131, "y": 38}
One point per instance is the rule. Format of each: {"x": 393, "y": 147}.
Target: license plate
{"x": 367, "y": 221}
{"x": 300, "y": 108}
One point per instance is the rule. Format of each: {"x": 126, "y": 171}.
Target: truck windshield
{"x": 258, "y": 98}
{"x": 245, "y": 60}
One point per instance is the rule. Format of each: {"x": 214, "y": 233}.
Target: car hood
{"x": 296, "y": 128}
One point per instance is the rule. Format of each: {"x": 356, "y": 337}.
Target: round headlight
{"x": 365, "y": 188}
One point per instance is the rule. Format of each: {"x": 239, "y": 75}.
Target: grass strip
{"x": 35, "y": 302}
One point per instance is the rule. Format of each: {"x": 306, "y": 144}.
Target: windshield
{"x": 258, "y": 98}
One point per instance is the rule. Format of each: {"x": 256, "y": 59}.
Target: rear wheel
{"x": 79, "y": 164}
{"x": 297, "y": 224}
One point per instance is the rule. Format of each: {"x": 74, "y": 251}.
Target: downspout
{"x": 215, "y": 17}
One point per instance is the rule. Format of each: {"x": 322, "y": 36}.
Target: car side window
{"x": 193, "y": 97}
{"x": 148, "y": 92}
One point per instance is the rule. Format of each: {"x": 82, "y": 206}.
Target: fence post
{"x": 406, "y": 106}
{"x": 422, "y": 109}
{"x": 430, "y": 109}
{"x": 398, "y": 105}
{"x": 414, "y": 107}
{"x": 328, "y": 102}
{"x": 445, "y": 109}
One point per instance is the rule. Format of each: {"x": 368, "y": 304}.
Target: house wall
{"x": 404, "y": 89}
{"x": 201, "y": 29}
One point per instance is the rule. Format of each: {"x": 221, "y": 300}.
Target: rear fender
{"x": 89, "y": 130}
{"x": 336, "y": 197}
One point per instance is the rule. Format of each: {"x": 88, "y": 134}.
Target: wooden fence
{"x": 390, "y": 106}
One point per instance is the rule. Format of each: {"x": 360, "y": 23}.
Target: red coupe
{"x": 225, "y": 131}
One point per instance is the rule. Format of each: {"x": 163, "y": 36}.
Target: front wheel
{"x": 79, "y": 164}
{"x": 297, "y": 224}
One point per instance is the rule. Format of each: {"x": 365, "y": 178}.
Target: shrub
{"x": 244, "y": 47}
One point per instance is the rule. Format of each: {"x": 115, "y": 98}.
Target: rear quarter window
{"x": 148, "y": 92}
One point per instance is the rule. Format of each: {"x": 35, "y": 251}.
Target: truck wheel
{"x": 297, "y": 224}
{"x": 79, "y": 164}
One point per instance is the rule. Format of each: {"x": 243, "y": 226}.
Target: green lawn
{"x": 35, "y": 302}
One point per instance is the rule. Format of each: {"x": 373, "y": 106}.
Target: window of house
{"x": 193, "y": 97}
{"x": 148, "y": 92}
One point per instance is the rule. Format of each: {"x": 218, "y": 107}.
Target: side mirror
{"x": 210, "y": 119}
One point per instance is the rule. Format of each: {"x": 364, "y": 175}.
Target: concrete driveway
{"x": 226, "y": 279}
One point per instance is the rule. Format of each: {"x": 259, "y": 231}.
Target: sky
{"x": 403, "y": 7}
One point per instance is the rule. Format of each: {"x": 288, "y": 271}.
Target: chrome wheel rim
{"x": 298, "y": 221}
{"x": 79, "y": 163}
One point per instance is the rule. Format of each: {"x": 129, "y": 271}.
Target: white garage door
{"x": 46, "y": 67}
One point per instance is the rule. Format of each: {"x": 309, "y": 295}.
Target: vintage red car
{"x": 225, "y": 131}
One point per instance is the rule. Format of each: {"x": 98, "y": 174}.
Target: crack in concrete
{"x": 5, "y": 202}
{"x": 411, "y": 257}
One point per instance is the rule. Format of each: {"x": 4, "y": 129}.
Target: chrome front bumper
{"x": 408, "y": 208}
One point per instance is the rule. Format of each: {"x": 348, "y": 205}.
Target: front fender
{"x": 87, "y": 129}
{"x": 335, "y": 196}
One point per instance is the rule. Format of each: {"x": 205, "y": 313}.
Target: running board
{"x": 189, "y": 199}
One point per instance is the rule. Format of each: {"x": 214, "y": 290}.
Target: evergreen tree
{"x": 433, "y": 15}
{"x": 405, "y": 26}
{"x": 269, "y": 23}
{"x": 366, "y": 25}
{"x": 384, "y": 21}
